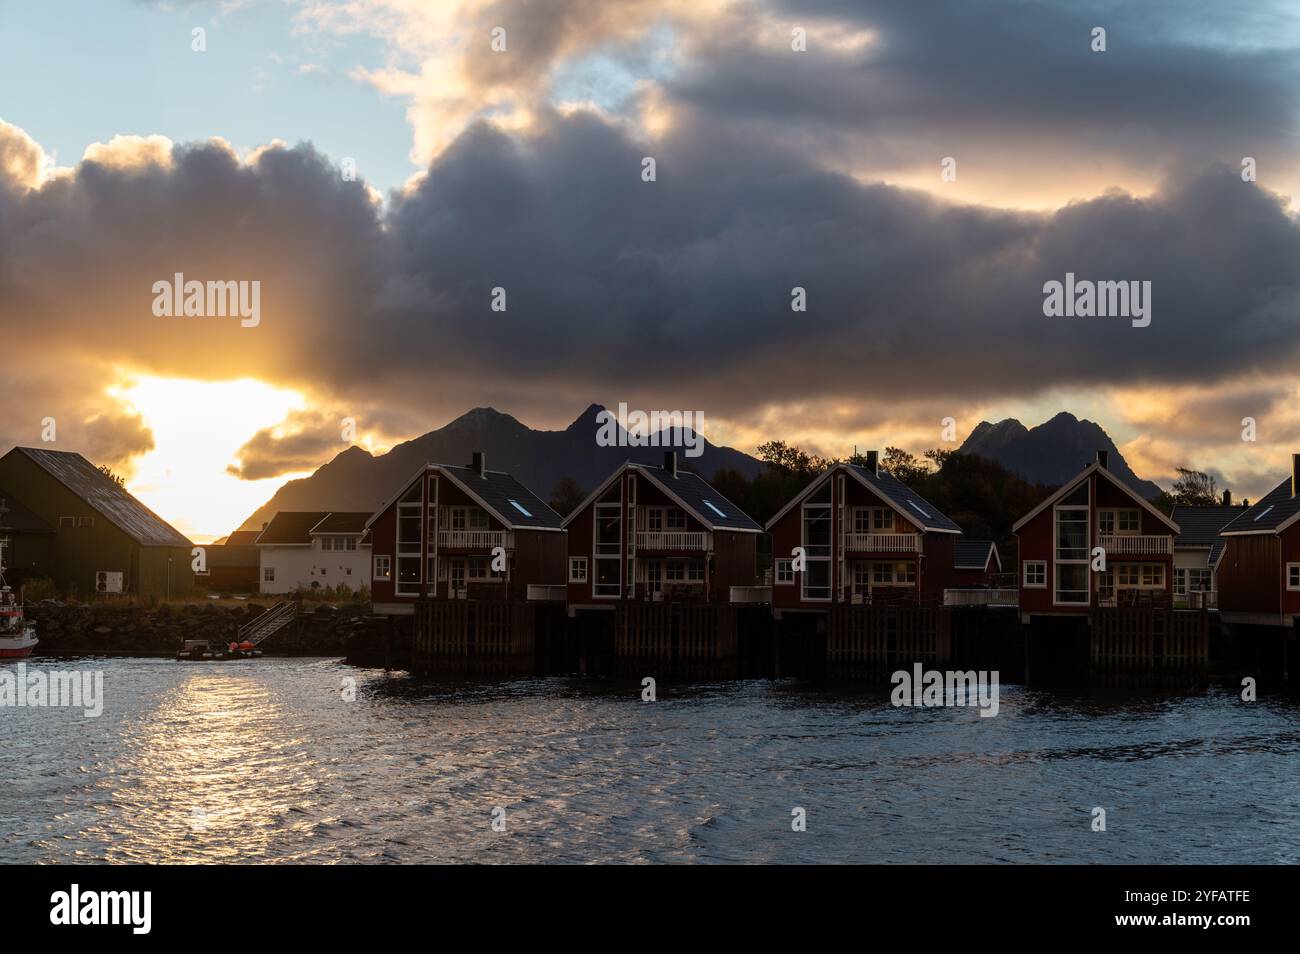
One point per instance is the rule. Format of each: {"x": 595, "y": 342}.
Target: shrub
{"x": 42, "y": 588}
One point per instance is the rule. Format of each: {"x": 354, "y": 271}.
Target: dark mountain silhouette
{"x": 357, "y": 480}
{"x": 1052, "y": 452}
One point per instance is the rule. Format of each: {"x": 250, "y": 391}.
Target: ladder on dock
{"x": 269, "y": 623}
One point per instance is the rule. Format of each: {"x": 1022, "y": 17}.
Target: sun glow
{"x": 198, "y": 426}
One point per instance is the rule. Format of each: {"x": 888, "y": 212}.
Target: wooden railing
{"x": 883, "y": 542}
{"x": 1143, "y": 545}
{"x": 673, "y": 540}
{"x": 475, "y": 539}
{"x": 1197, "y": 599}
{"x": 751, "y": 594}
{"x": 1001, "y": 597}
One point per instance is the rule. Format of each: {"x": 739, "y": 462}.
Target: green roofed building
{"x": 105, "y": 540}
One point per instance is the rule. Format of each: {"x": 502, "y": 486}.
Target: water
{"x": 263, "y": 761}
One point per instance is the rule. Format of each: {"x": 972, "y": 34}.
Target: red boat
{"x": 17, "y": 636}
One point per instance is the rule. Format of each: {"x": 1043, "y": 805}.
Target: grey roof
{"x": 496, "y": 489}
{"x": 1268, "y": 513}
{"x": 225, "y": 555}
{"x": 972, "y": 554}
{"x": 291, "y": 527}
{"x": 1200, "y": 526}
{"x": 698, "y": 494}
{"x": 106, "y": 497}
{"x": 343, "y": 522}
{"x": 906, "y": 500}
{"x": 1215, "y": 550}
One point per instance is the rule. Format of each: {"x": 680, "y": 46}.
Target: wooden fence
{"x": 1132, "y": 646}
{"x": 465, "y": 637}
{"x": 682, "y": 639}
{"x": 873, "y": 639}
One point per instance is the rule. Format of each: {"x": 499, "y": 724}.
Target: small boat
{"x": 17, "y": 635}
{"x": 202, "y": 650}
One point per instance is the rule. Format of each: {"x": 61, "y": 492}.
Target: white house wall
{"x": 302, "y": 566}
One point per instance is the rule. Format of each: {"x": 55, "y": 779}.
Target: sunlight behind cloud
{"x": 199, "y": 426}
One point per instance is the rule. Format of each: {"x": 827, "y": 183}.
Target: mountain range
{"x": 1052, "y": 452}
{"x": 357, "y": 480}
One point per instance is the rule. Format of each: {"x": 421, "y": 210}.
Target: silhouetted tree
{"x": 566, "y": 495}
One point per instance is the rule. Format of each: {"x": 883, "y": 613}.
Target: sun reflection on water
{"x": 216, "y": 773}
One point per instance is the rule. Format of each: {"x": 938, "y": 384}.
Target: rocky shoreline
{"x": 67, "y": 629}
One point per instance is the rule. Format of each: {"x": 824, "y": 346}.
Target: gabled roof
{"x": 108, "y": 498}
{"x": 1216, "y": 553}
{"x": 1070, "y": 485}
{"x": 688, "y": 490}
{"x": 19, "y": 519}
{"x": 497, "y": 492}
{"x": 891, "y": 490}
{"x": 343, "y": 522}
{"x": 1272, "y": 513}
{"x": 975, "y": 554}
{"x": 1200, "y": 526}
{"x": 241, "y": 538}
{"x": 291, "y": 528}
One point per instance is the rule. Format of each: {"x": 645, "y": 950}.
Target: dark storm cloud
{"x": 675, "y": 292}
{"x": 1169, "y": 77}
{"x": 684, "y": 284}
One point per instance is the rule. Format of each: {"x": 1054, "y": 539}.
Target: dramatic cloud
{"x": 775, "y": 169}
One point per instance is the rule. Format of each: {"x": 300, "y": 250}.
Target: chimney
{"x": 478, "y": 462}
{"x": 873, "y": 462}
{"x": 264, "y": 524}
{"x": 1295, "y": 472}
{"x": 670, "y": 463}
{"x": 1103, "y": 458}
{"x": 1227, "y": 498}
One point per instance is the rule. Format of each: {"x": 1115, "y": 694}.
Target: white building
{"x": 314, "y": 550}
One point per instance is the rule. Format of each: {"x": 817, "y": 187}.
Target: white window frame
{"x": 578, "y": 569}
{"x": 809, "y": 558}
{"x": 1025, "y": 567}
{"x": 268, "y": 574}
{"x": 783, "y": 572}
{"x": 1289, "y": 568}
{"x": 615, "y": 558}
{"x": 383, "y": 568}
{"x": 1058, "y": 562}
{"x": 408, "y": 551}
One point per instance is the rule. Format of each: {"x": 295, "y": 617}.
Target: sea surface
{"x": 274, "y": 760}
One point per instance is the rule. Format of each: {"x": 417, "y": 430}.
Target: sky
{"x": 378, "y": 168}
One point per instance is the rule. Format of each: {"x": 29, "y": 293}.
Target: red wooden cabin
{"x": 655, "y": 533}
{"x": 1057, "y": 539}
{"x": 437, "y": 537}
{"x": 1259, "y": 568}
{"x": 866, "y": 538}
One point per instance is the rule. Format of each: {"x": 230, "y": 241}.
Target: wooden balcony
{"x": 475, "y": 539}
{"x": 685, "y": 540}
{"x": 1137, "y": 545}
{"x": 882, "y": 542}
